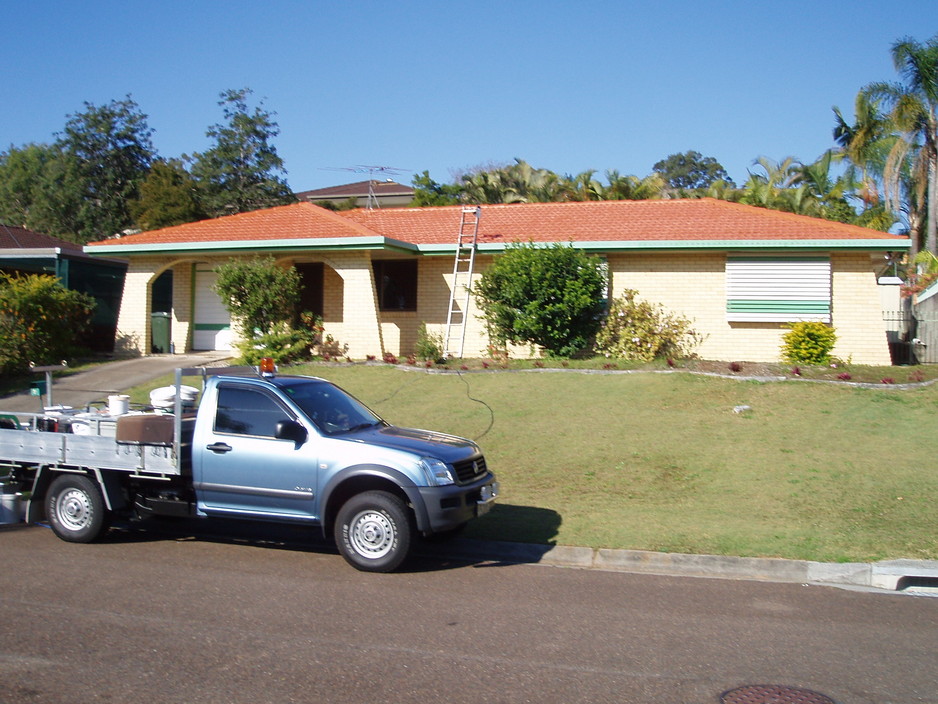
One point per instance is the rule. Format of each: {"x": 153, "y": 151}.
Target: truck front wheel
{"x": 75, "y": 509}
{"x": 373, "y": 531}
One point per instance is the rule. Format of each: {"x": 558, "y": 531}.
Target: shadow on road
{"x": 526, "y": 524}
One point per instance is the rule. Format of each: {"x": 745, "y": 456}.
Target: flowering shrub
{"x": 639, "y": 330}
{"x": 809, "y": 343}
{"x": 284, "y": 345}
{"x": 40, "y": 321}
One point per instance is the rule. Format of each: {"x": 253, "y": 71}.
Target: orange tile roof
{"x": 610, "y": 221}
{"x": 285, "y": 222}
{"x": 597, "y": 221}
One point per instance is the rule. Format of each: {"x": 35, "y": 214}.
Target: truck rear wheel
{"x": 373, "y": 531}
{"x": 75, "y": 509}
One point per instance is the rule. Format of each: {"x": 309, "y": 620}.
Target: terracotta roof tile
{"x": 285, "y": 222}
{"x": 603, "y": 221}
{"x": 633, "y": 221}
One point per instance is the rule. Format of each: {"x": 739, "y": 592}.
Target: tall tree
{"x": 168, "y": 196}
{"x": 40, "y": 189}
{"x": 242, "y": 171}
{"x": 913, "y": 109}
{"x": 691, "y": 171}
{"x": 113, "y": 150}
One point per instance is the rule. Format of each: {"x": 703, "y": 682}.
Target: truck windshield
{"x": 329, "y": 407}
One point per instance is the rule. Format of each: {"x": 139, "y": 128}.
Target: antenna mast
{"x": 372, "y": 201}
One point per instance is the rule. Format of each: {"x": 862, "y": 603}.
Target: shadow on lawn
{"x": 517, "y": 524}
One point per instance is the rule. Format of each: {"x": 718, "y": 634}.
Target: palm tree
{"x": 865, "y": 144}
{"x": 581, "y": 187}
{"x": 632, "y": 187}
{"x": 914, "y": 112}
{"x": 767, "y": 190}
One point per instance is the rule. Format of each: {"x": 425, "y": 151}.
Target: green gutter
{"x": 670, "y": 245}
{"x": 388, "y": 244}
{"x": 231, "y": 246}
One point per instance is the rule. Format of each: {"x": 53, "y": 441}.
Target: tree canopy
{"x": 242, "y": 171}
{"x": 112, "y": 150}
{"x": 691, "y": 171}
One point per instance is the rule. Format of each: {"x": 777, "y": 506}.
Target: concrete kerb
{"x": 889, "y": 575}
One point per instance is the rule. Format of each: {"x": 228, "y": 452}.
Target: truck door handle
{"x": 218, "y": 447}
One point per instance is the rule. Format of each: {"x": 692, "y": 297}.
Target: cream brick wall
{"x": 856, "y": 310}
{"x": 351, "y": 314}
{"x": 694, "y": 285}
{"x": 433, "y": 293}
{"x": 133, "y": 320}
{"x": 182, "y": 306}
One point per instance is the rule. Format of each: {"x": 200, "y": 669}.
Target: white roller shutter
{"x": 212, "y": 329}
{"x": 778, "y": 289}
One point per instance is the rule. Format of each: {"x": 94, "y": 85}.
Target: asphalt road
{"x": 174, "y": 613}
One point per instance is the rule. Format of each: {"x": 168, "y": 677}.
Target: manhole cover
{"x": 773, "y": 694}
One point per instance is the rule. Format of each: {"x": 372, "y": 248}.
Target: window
{"x": 396, "y": 281}
{"x": 244, "y": 411}
{"x": 778, "y": 289}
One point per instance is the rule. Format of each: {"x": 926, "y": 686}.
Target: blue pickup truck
{"x": 258, "y": 446}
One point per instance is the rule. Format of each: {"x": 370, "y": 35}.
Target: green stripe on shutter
{"x": 770, "y": 306}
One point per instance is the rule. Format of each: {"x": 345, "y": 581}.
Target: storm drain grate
{"x": 773, "y": 694}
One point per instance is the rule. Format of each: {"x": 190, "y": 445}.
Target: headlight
{"x": 438, "y": 473}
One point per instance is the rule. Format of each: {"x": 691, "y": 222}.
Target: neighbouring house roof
{"x": 597, "y": 225}
{"x": 356, "y": 190}
{"x": 16, "y": 241}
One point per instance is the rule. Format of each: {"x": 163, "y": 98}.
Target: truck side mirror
{"x": 291, "y": 430}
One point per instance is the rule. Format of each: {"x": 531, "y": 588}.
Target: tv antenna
{"x": 371, "y": 171}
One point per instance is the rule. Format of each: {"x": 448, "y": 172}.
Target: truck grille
{"x": 470, "y": 469}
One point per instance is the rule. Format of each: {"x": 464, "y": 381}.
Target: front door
{"x": 244, "y": 469}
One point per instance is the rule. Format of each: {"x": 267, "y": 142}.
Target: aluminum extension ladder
{"x": 454, "y": 340}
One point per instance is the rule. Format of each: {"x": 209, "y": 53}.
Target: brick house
{"x": 740, "y": 273}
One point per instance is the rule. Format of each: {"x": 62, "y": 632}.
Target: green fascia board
{"x": 387, "y": 243}
{"x": 227, "y": 247}
{"x": 672, "y": 245}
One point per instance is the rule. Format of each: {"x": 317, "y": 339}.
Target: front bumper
{"x": 448, "y": 507}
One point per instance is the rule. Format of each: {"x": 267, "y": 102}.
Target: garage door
{"x": 212, "y": 322}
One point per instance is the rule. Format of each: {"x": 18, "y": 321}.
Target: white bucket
{"x": 10, "y": 510}
{"x": 118, "y": 405}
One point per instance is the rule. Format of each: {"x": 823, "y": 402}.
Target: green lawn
{"x": 662, "y": 462}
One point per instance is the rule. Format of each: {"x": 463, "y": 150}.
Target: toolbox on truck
{"x": 145, "y": 429}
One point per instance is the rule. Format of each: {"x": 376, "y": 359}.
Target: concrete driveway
{"x": 97, "y": 383}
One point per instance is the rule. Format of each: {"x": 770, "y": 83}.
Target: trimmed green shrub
{"x": 638, "y": 330}
{"x": 549, "y": 297}
{"x": 259, "y": 294}
{"x": 809, "y": 343}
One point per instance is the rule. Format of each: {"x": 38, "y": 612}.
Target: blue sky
{"x": 448, "y": 86}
